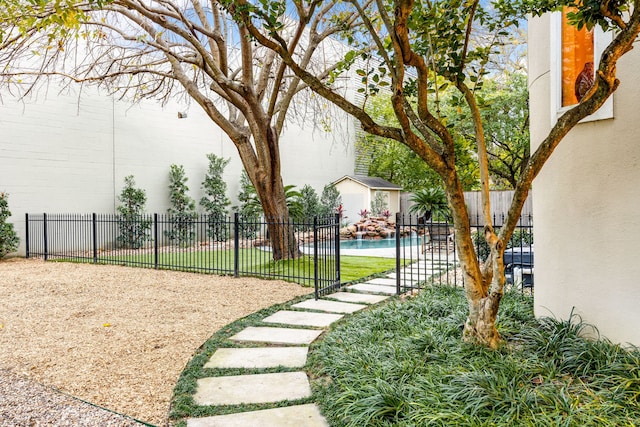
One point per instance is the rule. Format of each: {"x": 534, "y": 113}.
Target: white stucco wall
{"x": 586, "y": 205}
{"x": 70, "y": 153}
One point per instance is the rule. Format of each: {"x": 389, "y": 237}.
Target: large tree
{"x": 427, "y": 47}
{"x": 191, "y": 49}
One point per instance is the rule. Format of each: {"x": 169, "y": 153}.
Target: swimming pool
{"x": 379, "y": 244}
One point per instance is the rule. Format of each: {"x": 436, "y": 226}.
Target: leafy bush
{"x": 520, "y": 237}
{"x": 8, "y": 237}
{"x": 430, "y": 203}
{"x": 294, "y": 202}
{"x": 133, "y": 227}
{"x": 182, "y": 212}
{"x": 215, "y": 200}
{"x": 310, "y": 202}
{"x": 249, "y": 210}
{"x": 330, "y": 201}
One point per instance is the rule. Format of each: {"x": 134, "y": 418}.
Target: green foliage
{"x": 397, "y": 163}
{"x": 182, "y": 212}
{"x": 589, "y": 13}
{"x": 379, "y": 204}
{"x": 505, "y": 113}
{"x": 8, "y": 237}
{"x": 249, "y": 210}
{"x": 133, "y": 226}
{"x": 310, "y": 202}
{"x": 520, "y": 237}
{"x": 59, "y": 20}
{"x": 330, "y": 200}
{"x": 430, "y": 203}
{"x": 378, "y": 369}
{"x": 294, "y": 202}
{"x": 215, "y": 200}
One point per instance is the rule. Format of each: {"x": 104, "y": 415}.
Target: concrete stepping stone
{"x": 260, "y": 388}
{"x": 303, "y": 318}
{"x": 357, "y": 297}
{"x": 382, "y": 281}
{"x": 277, "y": 335}
{"x": 378, "y": 289}
{"x": 416, "y": 274}
{"x": 291, "y": 416}
{"x": 261, "y": 357}
{"x": 411, "y": 276}
{"x": 329, "y": 306}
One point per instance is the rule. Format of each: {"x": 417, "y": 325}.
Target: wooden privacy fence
{"x": 500, "y": 202}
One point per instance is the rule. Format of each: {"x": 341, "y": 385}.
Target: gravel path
{"x": 114, "y": 336}
{"x": 26, "y": 403}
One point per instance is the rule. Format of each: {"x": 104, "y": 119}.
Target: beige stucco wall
{"x": 394, "y": 202}
{"x": 586, "y": 205}
{"x": 70, "y": 153}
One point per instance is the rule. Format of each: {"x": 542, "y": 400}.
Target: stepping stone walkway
{"x": 284, "y": 346}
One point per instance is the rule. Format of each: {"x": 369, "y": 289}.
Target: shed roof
{"x": 371, "y": 182}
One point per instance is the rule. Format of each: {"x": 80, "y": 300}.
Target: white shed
{"x": 358, "y": 192}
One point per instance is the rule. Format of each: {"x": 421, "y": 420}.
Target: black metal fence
{"x": 199, "y": 243}
{"x": 426, "y": 252}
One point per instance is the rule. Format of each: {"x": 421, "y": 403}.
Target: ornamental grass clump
{"x": 404, "y": 365}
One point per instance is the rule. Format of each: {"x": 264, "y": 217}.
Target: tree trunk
{"x": 480, "y": 327}
{"x": 484, "y": 284}
{"x": 280, "y": 230}
{"x": 261, "y": 161}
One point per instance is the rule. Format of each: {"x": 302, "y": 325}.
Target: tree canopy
{"x": 188, "y": 50}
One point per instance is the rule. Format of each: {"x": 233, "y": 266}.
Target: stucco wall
{"x": 586, "y": 205}
{"x": 70, "y": 153}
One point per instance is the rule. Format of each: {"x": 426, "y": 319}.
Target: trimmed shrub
{"x": 215, "y": 200}
{"x": 182, "y": 212}
{"x": 133, "y": 226}
{"x": 8, "y": 237}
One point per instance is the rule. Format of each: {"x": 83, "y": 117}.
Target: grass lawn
{"x": 403, "y": 364}
{"x": 257, "y": 262}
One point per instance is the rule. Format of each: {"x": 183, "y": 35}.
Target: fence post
{"x": 26, "y": 233}
{"x": 315, "y": 255}
{"x": 398, "y": 253}
{"x": 155, "y": 241}
{"x": 236, "y": 244}
{"x": 46, "y": 240}
{"x": 337, "y": 249}
{"x": 94, "y": 232}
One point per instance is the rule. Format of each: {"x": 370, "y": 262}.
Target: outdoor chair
{"x": 440, "y": 234}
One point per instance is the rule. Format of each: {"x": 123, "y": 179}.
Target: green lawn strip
{"x": 258, "y": 262}
{"x": 404, "y": 364}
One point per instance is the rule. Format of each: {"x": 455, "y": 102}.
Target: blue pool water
{"x": 379, "y": 244}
